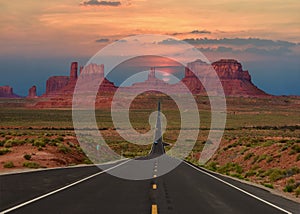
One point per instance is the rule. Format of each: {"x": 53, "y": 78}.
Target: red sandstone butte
{"x": 7, "y": 92}
{"x": 235, "y": 82}
{"x": 60, "y": 89}
{"x": 55, "y": 83}
{"x": 32, "y": 92}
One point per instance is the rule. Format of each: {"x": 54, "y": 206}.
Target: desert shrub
{"x": 8, "y": 165}
{"x": 268, "y": 143}
{"x": 8, "y": 144}
{"x": 261, "y": 173}
{"x": 297, "y": 191}
{"x": 4, "y": 151}
{"x": 248, "y": 145}
{"x": 262, "y": 157}
{"x": 212, "y": 166}
{"x": 87, "y": 161}
{"x": 288, "y": 188}
{"x": 250, "y": 173}
{"x": 283, "y": 141}
{"x": 46, "y": 140}
{"x": 27, "y": 157}
{"x": 235, "y": 144}
{"x": 269, "y": 159}
{"x": 255, "y": 167}
{"x": 285, "y": 147}
{"x": 248, "y": 156}
{"x": 230, "y": 167}
{"x": 13, "y": 142}
{"x": 32, "y": 165}
{"x": 244, "y": 150}
{"x": 254, "y": 140}
{"x": 72, "y": 145}
{"x": 294, "y": 150}
{"x": 2, "y": 142}
{"x": 64, "y": 149}
{"x": 237, "y": 175}
{"x": 275, "y": 174}
{"x": 79, "y": 149}
{"x": 60, "y": 139}
{"x": 29, "y": 140}
{"x": 238, "y": 169}
{"x": 255, "y": 159}
{"x": 39, "y": 143}
{"x": 292, "y": 171}
{"x": 269, "y": 186}
{"x": 298, "y": 157}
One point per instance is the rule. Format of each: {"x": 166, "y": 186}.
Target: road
{"x": 186, "y": 189}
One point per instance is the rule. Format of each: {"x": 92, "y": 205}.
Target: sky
{"x": 39, "y": 39}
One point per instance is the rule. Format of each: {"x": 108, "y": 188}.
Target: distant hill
{"x": 7, "y": 92}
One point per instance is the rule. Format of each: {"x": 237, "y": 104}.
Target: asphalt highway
{"x": 184, "y": 190}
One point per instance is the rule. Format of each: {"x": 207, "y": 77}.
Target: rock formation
{"x": 152, "y": 83}
{"x": 230, "y": 69}
{"x": 60, "y": 89}
{"x": 74, "y": 71}
{"x": 7, "y": 92}
{"x": 235, "y": 82}
{"x": 55, "y": 83}
{"x": 32, "y": 92}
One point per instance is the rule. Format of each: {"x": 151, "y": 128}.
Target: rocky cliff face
{"x": 235, "y": 80}
{"x": 59, "y": 89}
{"x": 32, "y": 92}
{"x": 230, "y": 69}
{"x": 55, "y": 83}
{"x": 7, "y": 92}
{"x": 74, "y": 72}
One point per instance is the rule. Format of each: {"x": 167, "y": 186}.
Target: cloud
{"x": 169, "y": 41}
{"x": 240, "y": 42}
{"x": 257, "y": 51}
{"x": 192, "y": 32}
{"x": 102, "y": 40}
{"x": 255, "y": 46}
{"x": 200, "y": 32}
{"x": 122, "y": 40}
{"x": 224, "y": 49}
{"x": 101, "y": 3}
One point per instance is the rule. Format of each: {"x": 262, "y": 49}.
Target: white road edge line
{"x": 60, "y": 168}
{"x": 237, "y": 188}
{"x": 60, "y": 189}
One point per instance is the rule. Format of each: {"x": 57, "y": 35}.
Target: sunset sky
{"x": 41, "y": 38}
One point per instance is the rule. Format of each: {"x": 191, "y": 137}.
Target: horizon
{"x": 128, "y": 69}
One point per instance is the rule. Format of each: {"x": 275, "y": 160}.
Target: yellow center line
{"x": 154, "y": 209}
{"x": 154, "y": 186}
